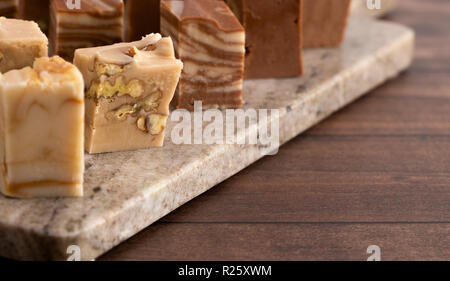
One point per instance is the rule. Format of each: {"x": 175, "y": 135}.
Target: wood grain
{"x": 377, "y": 172}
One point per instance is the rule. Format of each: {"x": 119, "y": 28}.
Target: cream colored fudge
{"x": 129, "y": 87}
{"x": 21, "y": 42}
{"x": 41, "y": 130}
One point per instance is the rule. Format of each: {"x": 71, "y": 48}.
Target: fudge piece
{"x": 211, "y": 43}
{"x": 129, "y": 87}
{"x": 96, "y": 23}
{"x": 324, "y": 22}
{"x": 8, "y": 8}
{"x": 273, "y": 37}
{"x": 35, "y": 10}
{"x": 142, "y": 18}
{"x": 20, "y": 43}
{"x": 41, "y": 130}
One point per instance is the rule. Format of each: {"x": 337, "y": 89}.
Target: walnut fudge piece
{"x": 8, "y": 8}
{"x": 211, "y": 43}
{"x": 273, "y": 37}
{"x": 324, "y": 22}
{"x": 142, "y": 18}
{"x": 41, "y": 130}
{"x": 129, "y": 89}
{"x": 96, "y": 23}
{"x": 21, "y": 42}
{"x": 36, "y": 10}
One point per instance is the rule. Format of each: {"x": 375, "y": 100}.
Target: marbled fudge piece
{"x": 324, "y": 22}
{"x": 21, "y": 42}
{"x": 8, "y": 8}
{"x": 96, "y": 23}
{"x": 36, "y": 10}
{"x": 142, "y": 18}
{"x": 273, "y": 36}
{"x": 129, "y": 89}
{"x": 210, "y": 41}
{"x": 41, "y": 130}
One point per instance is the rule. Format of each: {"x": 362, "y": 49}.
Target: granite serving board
{"x": 127, "y": 191}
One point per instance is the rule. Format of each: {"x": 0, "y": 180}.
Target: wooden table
{"x": 375, "y": 173}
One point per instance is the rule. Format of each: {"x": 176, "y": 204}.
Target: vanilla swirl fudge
{"x": 129, "y": 87}
{"x": 41, "y": 130}
{"x": 210, "y": 41}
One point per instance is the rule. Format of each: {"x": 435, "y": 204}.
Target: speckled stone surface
{"x": 359, "y": 7}
{"x": 127, "y": 191}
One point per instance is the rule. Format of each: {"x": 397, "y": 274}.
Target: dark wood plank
{"x": 377, "y": 172}
{"x": 169, "y": 241}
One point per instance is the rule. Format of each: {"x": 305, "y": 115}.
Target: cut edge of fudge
{"x": 129, "y": 87}
{"x": 210, "y": 41}
{"x": 33, "y": 166}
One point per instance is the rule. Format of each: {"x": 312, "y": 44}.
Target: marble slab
{"x": 127, "y": 191}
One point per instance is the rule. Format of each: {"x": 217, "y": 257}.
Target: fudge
{"x": 96, "y": 23}
{"x": 21, "y": 42}
{"x": 35, "y": 10}
{"x": 41, "y": 130}
{"x": 142, "y": 18}
{"x": 8, "y": 8}
{"x": 210, "y": 41}
{"x": 273, "y": 37}
{"x": 324, "y": 22}
{"x": 129, "y": 87}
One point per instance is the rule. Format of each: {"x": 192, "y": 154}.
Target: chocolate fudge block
{"x": 21, "y": 42}
{"x": 41, "y": 130}
{"x": 210, "y": 41}
{"x": 36, "y": 10}
{"x": 273, "y": 37}
{"x": 9, "y": 8}
{"x": 96, "y": 23}
{"x": 324, "y": 22}
{"x": 142, "y": 18}
{"x": 129, "y": 87}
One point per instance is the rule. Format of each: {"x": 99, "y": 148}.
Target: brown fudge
{"x": 21, "y": 42}
{"x": 8, "y": 8}
{"x": 129, "y": 87}
{"x": 41, "y": 130}
{"x": 36, "y": 10}
{"x": 273, "y": 37}
{"x": 142, "y": 18}
{"x": 96, "y": 23}
{"x": 210, "y": 41}
{"x": 324, "y": 22}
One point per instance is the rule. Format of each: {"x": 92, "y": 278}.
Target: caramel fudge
{"x": 94, "y": 23}
{"x": 21, "y": 42}
{"x": 273, "y": 37}
{"x": 142, "y": 18}
{"x": 129, "y": 87}
{"x": 35, "y": 10}
{"x": 210, "y": 41}
{"x": 41, "y": 130}
{"x": 324, "y": 22}
{"x": 8, "y": 8}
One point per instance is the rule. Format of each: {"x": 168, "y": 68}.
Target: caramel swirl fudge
{"x": 8, "y": 8}
{"x": 94, "y": 23}
{"x": 41, "y": 130}
{"x": 129, "y": 87}
{"x": 324, "y": 22}
{"x": 210, "y": 41}
{"x": 273, "y": 31}
{"x": 21, "y": 42}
